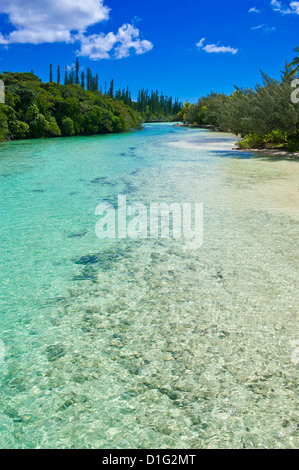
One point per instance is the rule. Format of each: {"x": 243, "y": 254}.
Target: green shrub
{"x": 276, "y": 137}
{"x": 37, "y": 127}
{"x": 251, "y": 141}
{"x": 52, "y": 129}
{"x": 3, "y": 123}
{"x": 21, "y": 130}
{"x": 67, "y": 127}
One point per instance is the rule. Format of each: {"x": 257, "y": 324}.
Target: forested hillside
{"x": 34, "y": 109}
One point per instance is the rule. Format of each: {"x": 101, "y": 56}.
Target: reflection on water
{"x": 142, "y": 344}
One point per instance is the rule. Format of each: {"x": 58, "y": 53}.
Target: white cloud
{"x": 214, "y": 48}
{"x": 254, "y": 10}
{"x": 275, "y": 4}
{"x": 293, "y": 8}
{"x": 200, "y": 43}
{"x": 50, "y": 21}
{"x": 119, "y": 45}
{"x": 264, "y": 28}
{"x": 260, "y": 26}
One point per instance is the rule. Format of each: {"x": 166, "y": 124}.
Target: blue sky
{"x": 184, "y": 49}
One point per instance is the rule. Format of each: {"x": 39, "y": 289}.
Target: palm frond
{"x": 295, "y": 64}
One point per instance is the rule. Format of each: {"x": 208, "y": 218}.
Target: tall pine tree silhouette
{"x": 83, "y": 79}
{"x": 77, "y": 71}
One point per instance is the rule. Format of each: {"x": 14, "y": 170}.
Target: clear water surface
{"x": 142, "y": 344}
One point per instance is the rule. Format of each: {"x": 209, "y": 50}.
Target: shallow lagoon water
{"x": 143, "y": 344}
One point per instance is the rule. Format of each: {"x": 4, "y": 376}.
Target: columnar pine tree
{"x": 88, "y": 79}
{"x": 51, "y": 73}
{"x": 77, "y": 71}
{"x": 111, "y": 89}
{"x": 72, "y": 77}
{"x": 58, "y": 74}
{"x": 83, "y": 79}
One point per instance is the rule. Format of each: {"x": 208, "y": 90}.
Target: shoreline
{"x": 208, "y": 127}
{"x": 270, "y": 151}
{"x": 158, "y": 122}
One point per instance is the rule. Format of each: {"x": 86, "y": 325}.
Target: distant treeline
{"x": 265, "y": 117}
{"x": 151, "y": 105}
{"x": 34, "y": 109}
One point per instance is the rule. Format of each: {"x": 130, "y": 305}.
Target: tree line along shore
{"x": 34, "y": 109}
{"x": 266, "y": 117}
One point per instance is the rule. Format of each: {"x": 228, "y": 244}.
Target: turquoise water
{"x": 143, "y": 344}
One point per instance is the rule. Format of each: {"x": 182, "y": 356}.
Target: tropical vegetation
{"x": 79, "y": 106}
{"x": 264, "y": 117}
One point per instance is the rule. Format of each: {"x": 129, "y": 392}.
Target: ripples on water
{"x": 142, "y": 344}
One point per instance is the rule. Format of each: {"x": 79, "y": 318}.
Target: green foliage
{"x": 35, "y": 110}
{"x": 294, "y": 66}
{"x": 52, "y": 129}
{"x": 251, "y": 141}
{"x": 10, "y": 126}
{"x": 276, "y": 137}
{"x": 188, "y": 113}
{"x": 152, "y": 106}
{"x": 67, "y": 127}
{"x": 37, "y": 127}
{"x": 93, "y": 120}
{"x": 265, "y": 117}
{"x": 3, "y": 123}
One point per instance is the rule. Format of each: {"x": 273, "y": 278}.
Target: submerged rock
{"x": 87, "y": 259}
{"x": 103, "y": 181}
{"x": 135, "y": 172}
{"x": 88, "y": 273}
{"x": 55, "y": 352}
{"x": 14, "y": 415}
{"x": 129, "y": 188}
{"x": 57, "y": 300}
{"x": 110, "y": 200}
{"x": 72, "y": 400}
{"x": 104, "y": 260}
{"x": 78, "y": 234}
